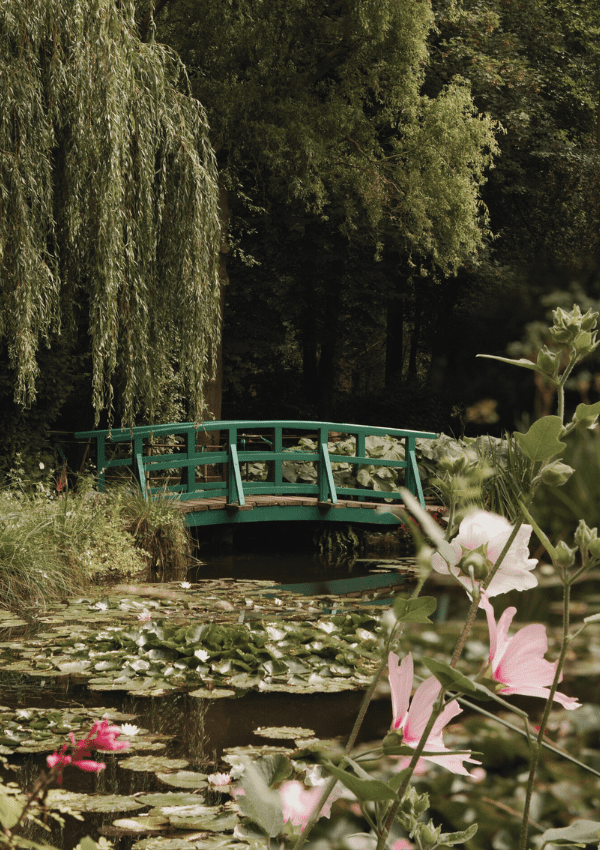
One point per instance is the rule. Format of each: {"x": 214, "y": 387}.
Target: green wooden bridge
{"x": 210, "y": 481}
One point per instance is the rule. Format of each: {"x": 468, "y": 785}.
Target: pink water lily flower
{"x": 518, "y": 662}
{"x": 412, "y": 721}
{"x": 489, "y": 533}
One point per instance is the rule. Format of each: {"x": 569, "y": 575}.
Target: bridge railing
{"x": 191, "y": 458}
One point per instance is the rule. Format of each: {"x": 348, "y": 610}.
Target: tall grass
{"x": 53, "y": 547}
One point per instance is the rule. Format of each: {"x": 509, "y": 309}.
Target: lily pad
{"x": 215, "y": 693}
{"x": 283, "y": 732}
{"x": 142, "y": 824}
{"x": 148, "y": 763}
{"x": 170, "y": 798}
{"x": 163, "y": 843}
{"x": 183, "y": 779}
{"x": 86, "y": 803}
{"x": 211, "y": 823}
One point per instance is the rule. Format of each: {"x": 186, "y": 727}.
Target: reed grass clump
{"x": 54, "y": 546}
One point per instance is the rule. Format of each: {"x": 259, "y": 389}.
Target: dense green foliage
{"x": 50, "y": 548}
{"x": 108, "y": 205}
{"x": 348, "y": 188}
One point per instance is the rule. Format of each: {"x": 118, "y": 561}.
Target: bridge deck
{"x": 264, "y": 508}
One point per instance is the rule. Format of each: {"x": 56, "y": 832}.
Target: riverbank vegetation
{"x": 53, "y": 546}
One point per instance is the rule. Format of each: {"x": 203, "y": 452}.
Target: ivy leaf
{"x": 541, "y": 441}
{"x": 414, "y": 610}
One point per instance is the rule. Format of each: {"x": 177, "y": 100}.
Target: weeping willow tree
{"x": 108, "y": 205}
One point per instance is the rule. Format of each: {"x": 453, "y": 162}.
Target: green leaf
{"x": 523, "y": 362}
{"x": 541, "y": 441}
{"x": 586, "y": 414}
{"x": 578, "y": 834}
{"x": 273, "y": 768}
{"x": 449, "y": 677}
{"x": 364, "y": 789}
{"x": 10, "y": 811}
{"x": 458, "y": 837}
{"x": 261, "y": 803}
{"x": 414, "y": 610}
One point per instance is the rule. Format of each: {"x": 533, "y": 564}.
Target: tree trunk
{"x": 394, "y": 343}
{"x": 414, "y": 340}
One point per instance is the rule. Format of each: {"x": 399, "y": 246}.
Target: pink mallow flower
{"x": 412, "y": 721}
{"x": 299, "y": 803}
{"x": 489, "y": 532}
{"x": 101, "y": 736}
{"x": 518, "y": 662}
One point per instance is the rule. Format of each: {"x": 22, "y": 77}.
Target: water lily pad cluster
{"x": 336, "y": 654}
{"x": 44, "y": 730}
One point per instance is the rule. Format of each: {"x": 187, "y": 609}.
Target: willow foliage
{"x": 108, "y": 202}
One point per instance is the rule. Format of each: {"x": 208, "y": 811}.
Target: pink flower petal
{"x": 518, "y": 662}
{"x": 420, "y": 710}
{"x": 89, "y": 765}
{"x": 401, "y": 679}
{"x": 414, "y": 721}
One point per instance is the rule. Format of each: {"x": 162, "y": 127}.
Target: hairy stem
{"x": 535, "y": 754}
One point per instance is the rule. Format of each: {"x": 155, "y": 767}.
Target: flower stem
{"x": 535, "y": 754}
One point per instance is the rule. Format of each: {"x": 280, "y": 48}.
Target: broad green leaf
{"x": 364, "y": 789}
{"x": 586, "y": 414}
{"x": 273, "y": 768}
{"x": 10, "y": 811}
{"x": 261, "y": 803}
{"x": 414, "y": 610}
{"x": 541, "y": 441}
{"x": 449, "y": 677}
{"x": 578, "y": 834}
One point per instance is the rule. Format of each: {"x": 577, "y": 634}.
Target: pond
{"x": 224, "y": 661}
{"x": 222, "y": 666}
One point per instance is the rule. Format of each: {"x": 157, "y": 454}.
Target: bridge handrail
{"x": 234, "y": 489}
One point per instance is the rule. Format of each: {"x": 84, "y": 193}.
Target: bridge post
{"x": 188, "y": 473}
{"x": 361, "y": 451}
{"x": 234, "y": 478}
{"x": 137, "y": 464}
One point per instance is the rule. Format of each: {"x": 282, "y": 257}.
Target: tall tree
{"x": 318, "y": 121}
{"x": 108, "y": 205}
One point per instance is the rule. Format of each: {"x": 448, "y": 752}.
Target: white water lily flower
{"x": 145, "y": 616}
{"x": 185, "y": 585}
{"x": 202, "y": 654}
{"x": 278, "y": 601}
{"x": 219, "y": 778}
{"x": 326, "y": 627}
{"x": 101, "y": 606}
{"x": 129, "y": 729}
